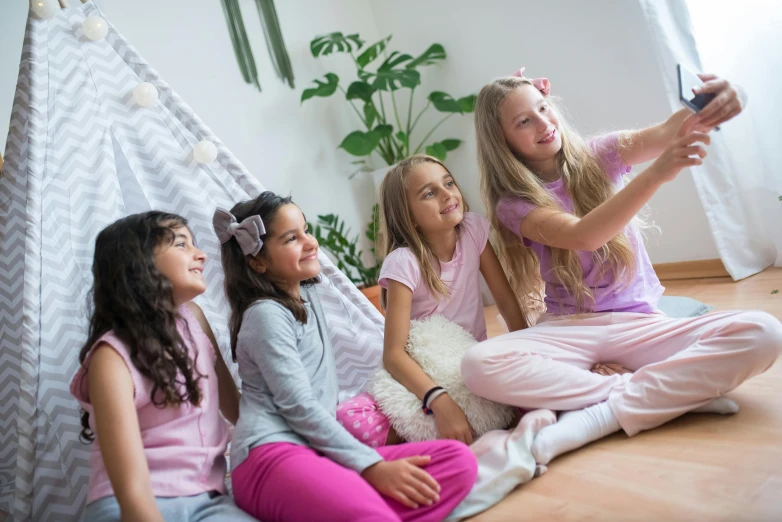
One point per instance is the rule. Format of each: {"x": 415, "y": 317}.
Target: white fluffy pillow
{"x": 437, "y": 345}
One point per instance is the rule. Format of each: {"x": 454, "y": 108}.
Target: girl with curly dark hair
{"x": 152, "y": 383}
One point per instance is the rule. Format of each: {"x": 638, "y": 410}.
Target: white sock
{"x": 722, "y": 405}
{"x": 573, "y": 430}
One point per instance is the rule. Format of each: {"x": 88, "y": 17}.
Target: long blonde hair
{"x": 503, "y": 174}
{"x": 397, "y": 228}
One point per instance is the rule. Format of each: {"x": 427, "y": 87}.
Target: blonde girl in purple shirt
{"x": 565, "y": 218}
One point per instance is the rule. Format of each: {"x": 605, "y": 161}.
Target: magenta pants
{"x": 284, "y": 482}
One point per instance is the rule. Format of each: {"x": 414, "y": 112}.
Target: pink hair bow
{"x": 541, "y": 84}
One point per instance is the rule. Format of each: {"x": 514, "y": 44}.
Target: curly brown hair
{"x": 132, "y": 299}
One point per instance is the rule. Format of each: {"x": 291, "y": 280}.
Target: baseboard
{"x": 691, "y": 269}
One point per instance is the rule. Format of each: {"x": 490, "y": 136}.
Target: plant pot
{"x": 373, "y": 294}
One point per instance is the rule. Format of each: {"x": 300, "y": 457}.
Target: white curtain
{"x": 740, "y": 182}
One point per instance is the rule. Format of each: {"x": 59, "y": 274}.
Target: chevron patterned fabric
{"x": 80, "y": 154}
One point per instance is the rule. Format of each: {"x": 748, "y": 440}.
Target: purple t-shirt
{"x": 643, "y": 291}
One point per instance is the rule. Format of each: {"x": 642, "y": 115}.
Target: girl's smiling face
{"x": 530, "y": 125}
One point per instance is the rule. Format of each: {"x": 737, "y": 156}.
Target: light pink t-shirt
{"x": 461, "y": 275}
{"x": 184, "y": 445}
{"x": 644, "y": 290}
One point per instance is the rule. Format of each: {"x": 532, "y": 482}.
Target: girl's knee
{"x": 757, "y": 335}
{"x": 462, "y": 462}
{"x": 474, "y": 369}
{"x": 767, "y": 333}
{"x": 477, "y": 368}
{"x": 486, "y": 370}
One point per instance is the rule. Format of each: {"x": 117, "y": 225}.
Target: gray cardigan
{"x": 289, "y": 385}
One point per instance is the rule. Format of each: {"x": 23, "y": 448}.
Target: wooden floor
{"x": 700, "y": 467}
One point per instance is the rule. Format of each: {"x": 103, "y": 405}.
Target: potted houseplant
{"x": 388, "y": 130}
{"x": 333, "y": 236}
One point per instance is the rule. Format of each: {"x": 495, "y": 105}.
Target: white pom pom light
{"x": 45, "y": 9}
{"x": 95, "y": 27}
{"x": 145, "y": 94}
{"x": 205, "y": 152}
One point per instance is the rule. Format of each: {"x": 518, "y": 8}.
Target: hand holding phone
{"x": 687, "y": 81}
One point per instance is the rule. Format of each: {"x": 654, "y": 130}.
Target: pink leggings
{"x": 284, "y": 482}
{"x": 678, "y": 364}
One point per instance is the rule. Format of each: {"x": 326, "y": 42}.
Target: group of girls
{"x": 157, "y": 396}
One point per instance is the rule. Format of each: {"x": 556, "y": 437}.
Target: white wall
{"x": 597, "y": 55}
{"x": 599, "y": 58}
{"x": 291, "y": 148}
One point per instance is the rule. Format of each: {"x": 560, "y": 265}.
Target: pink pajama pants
{"x": 678, "y": 364}
{"x": 284, "y": 482}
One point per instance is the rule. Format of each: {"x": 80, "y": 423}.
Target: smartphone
{"x": 688, "y": 80}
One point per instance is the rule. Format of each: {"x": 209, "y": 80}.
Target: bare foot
{"x": 609, "y": 369}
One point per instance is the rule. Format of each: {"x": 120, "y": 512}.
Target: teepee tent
{"x": 81, "y": 153}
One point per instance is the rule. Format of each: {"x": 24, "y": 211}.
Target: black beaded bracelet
{"x": 426, "y": 397}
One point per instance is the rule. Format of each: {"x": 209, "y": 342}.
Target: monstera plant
{"x": 388, "y": 130}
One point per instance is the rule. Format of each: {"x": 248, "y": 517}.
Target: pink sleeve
{"x": 80, "y": 384}
{"x": 511, "y": 212}
{"x": 606, "y": 148}
{"x": 401, "y": 265}
{"x": 477, "y": 227}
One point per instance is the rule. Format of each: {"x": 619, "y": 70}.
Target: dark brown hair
{"x": 243, "y": 284}
{"x": 131, "y": 298}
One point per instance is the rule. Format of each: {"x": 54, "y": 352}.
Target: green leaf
{"x": 240, "y": 42}
{"x": 440, "y": 149}
{"x": 384, "y": 131}
{"x": 360, "y": 91}
{"x": 389, "y": 78}
{"x": 345, "y": 250}
{"x": 467, "y": 103}
{"x": 451, "y": 144}
{"x": 437, "y": 150}
{"x": 372, "y": 52}
{"x": 360, "y": 143}
{"x": 370, "y": 114}
{"x": 402, "y": 137}
{"x": 275, "y": 43}
{"x": 323, "y": 89}
{"x": 435, "y": 53}
{"x": 335, "y": 43}
{"x": 444, "y": 102}
{"x": 374, "y": 225}
{"x": 365, "y": 75}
